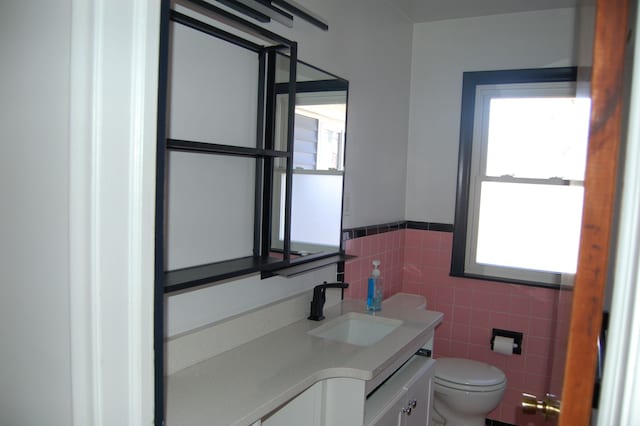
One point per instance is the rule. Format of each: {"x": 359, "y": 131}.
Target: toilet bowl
{"x": 465, "y": 391}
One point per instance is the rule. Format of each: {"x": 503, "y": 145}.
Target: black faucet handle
{"x": 318, "y": 291}
{"x": 326, "y": 285}
{"x": 317, "y": 304}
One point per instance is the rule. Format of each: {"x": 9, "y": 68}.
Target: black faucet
{"x": 317, "y": 304}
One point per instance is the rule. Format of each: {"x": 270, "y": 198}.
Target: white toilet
{"x": 465, "y": 391}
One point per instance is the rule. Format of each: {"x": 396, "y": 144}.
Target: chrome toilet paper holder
{"x": 516, "y": 336}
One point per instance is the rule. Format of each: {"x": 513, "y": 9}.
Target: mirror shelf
{"x": 216, "y": 273}
{"x": 291, "y": 120}
{"x": 214, "y": 148}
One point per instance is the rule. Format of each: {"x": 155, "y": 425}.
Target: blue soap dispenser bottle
{"x": 374, "y": 289}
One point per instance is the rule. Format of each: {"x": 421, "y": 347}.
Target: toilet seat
{"x": 468, "y": 375}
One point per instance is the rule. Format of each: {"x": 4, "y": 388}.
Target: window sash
{"x": 484, "y": 95}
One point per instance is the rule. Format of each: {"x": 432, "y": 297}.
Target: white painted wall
{"x": 195, "y": 309}
{"x": 35, "y": 361}
{"x": 442, "y": 51}
{"x": 369, "y": 44}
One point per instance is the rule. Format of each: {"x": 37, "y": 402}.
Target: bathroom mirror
{"x": 318, "y": 161}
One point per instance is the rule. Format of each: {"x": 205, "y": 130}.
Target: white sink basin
{"x": 356, "y": 329}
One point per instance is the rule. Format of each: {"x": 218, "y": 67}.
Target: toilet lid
{"x": 468, "y": 372}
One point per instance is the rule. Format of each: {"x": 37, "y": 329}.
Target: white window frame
{"x": 484, "y": 95}
{"x": 472, "y": 169}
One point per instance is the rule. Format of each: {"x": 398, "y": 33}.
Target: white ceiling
{"x": 436, "y": 10}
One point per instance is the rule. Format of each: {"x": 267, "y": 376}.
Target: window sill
{"x": 509, "y": 280}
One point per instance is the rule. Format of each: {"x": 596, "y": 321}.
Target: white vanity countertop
{"x": 240, "y": 386}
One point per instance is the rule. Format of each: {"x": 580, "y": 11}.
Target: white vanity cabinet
{"x": 405, "y": 398}
{"x": 306, "y": 406}
{"x": 332, "y": 402}
{"x": 292, "y": 377}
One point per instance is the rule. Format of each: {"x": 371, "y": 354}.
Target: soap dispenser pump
{"x": 374, "y": 289}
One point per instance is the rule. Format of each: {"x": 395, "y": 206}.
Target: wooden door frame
{"x": 618, "y": 401}
{"x": 601, "y": 183}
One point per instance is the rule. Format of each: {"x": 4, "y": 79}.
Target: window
{"x": 521, "y": 170}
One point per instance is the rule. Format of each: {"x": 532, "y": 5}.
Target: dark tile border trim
{"x": 430, "y": 226}
{"x": 364, "y": 231}
{"x": 489, "y": 422}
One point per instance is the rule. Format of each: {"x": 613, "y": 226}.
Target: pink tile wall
{"x": 471, "y": 309}
{"x": 387, "y": 247}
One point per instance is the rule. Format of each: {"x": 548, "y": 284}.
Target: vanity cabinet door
{"x": 303, "y": 409}
{"x": 392, "y": 414}
{"x": 332, "y": 402}
{"x": 417, "y": 401}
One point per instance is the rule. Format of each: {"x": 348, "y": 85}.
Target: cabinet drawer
{"x": 397, "y": 364}
{"x": 410, "y": 386}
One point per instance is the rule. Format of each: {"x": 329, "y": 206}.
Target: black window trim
{"x": 470, "y": 81}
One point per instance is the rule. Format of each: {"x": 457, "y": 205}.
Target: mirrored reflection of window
{"x": 318, "y": 163}
{"x": 319, "y": 137}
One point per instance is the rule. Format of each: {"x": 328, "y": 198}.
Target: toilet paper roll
{"x": 503, "y": 345}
